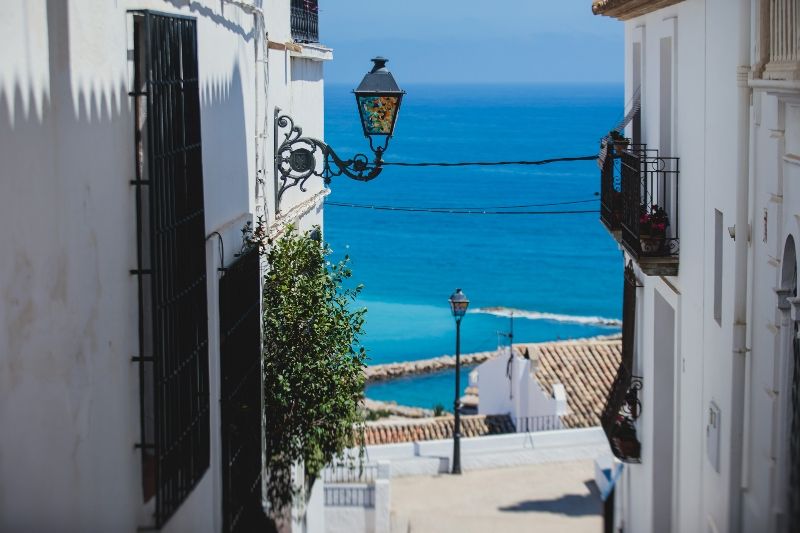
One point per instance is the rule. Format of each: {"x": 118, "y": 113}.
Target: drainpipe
{"x": 261, "y": 58}
{"x": 740, "y": 234}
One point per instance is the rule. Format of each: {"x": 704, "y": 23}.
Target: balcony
{"x": 649, "y": 226}
{"x": 623, "y": 406}
{"x": 305, "y": 21}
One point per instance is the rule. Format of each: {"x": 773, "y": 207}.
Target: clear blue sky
{"x": 472, "y": 41}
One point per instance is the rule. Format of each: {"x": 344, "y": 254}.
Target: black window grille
{"x": 305, "y": 21}
{"x": 240, "y": 353}
{"x": 171, "y": 260}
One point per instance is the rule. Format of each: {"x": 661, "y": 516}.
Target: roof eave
{"x": 628, "y": 9}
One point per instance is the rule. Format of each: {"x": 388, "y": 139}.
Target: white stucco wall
{"x": 69, "y": 393}
{"x": 776, "y": 135}
{"x": 735, "y": 142}
{"x": 512, "y": 390}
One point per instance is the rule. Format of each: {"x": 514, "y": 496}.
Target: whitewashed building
{"x": 705, "y": 411}
{"x": 136, "y": 141}
{"x": 507, "y": 385}
{"x": 548, "y": 385}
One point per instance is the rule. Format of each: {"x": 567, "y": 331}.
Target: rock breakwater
{"x": 424, "y": 366}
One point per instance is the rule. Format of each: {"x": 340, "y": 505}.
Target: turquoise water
{"x": 565, "y": 265}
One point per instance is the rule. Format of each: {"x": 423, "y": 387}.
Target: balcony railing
{"x": 612, "y": 201}
{"x": 623, "y": 406}
{"x": 531, "y": 424}
{"x": 783, "y": 40}
{"x": 610, "y": 197}
{"x": 305, "y": 21}
{"x": 650, "y": 230}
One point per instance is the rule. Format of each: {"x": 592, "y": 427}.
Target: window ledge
{"x": 313, "y": 51}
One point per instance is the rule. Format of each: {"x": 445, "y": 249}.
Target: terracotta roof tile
{"x": 441, "y": 427}
{"x": 586, "y": 368}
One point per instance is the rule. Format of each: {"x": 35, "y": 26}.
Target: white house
{"x": 507, "y": 385}
{"x": 548, "y": 385}
{"x": 706, "y": 404}
{"x": 136, "y": 140}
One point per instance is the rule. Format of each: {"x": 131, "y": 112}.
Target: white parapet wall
{"x": 360, "y": 506}
{"x": 496, "y": 451}
{"x": 358, "y": 500}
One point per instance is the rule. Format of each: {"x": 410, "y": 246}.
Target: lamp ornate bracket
{"x": 298, "y": 158}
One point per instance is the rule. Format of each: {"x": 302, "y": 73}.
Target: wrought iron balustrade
{"x": 305, "y": 21}
{"x": 623, "y": 405}
{"x": 610, "y": 195}
{"x": 650, "y": 225}
{"x": 612, "y": 198}
{"x": 620, "y": 413}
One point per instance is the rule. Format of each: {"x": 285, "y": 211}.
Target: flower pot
{"x": 651, "y": 243}
{"x": 624, "y": 439}
{"x": 621, "y": 146}
{"x": 628, "y": 447}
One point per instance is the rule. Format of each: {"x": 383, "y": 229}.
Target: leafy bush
{"x": 313, "y": 362}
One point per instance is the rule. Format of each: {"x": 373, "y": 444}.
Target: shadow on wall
{"x": 67, "y": 164}
{"x": 567, "y": 504}
{"x": 199, "y": 9}
{"x": 68, "y": 322}
{"x": 225, "y": 157}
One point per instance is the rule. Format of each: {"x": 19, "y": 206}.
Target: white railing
{"x": 357, "y": 497}
{"x": 784, "y": 40}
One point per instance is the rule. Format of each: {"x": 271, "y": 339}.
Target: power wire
{"x": 490, "y": 163}
{"x": 457, "y": 211}
{"x": 475, "y": 208}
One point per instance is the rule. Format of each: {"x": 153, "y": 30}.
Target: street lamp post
{"x": 298, "y": 158}
{"x": 458, "y": 306}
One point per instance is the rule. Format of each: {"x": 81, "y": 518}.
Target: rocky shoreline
{"x": 445, "y": 362}
{"x": 424, "y": 366}
{"x": 391, "y": 410}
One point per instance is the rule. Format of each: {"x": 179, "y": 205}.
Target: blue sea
{"x": 560, "y": 273}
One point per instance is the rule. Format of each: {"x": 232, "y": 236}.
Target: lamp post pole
{"x": 456, "y": 404}
{"x": 458, "y": 306}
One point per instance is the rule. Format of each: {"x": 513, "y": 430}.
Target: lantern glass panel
{"x": 459, "y": 308}
{"x": 378, "y": 113}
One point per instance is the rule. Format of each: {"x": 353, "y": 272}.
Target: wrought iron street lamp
{"x": 297, "y": 158}
{"x": 458, "y": 306}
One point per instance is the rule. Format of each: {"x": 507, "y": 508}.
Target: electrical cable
{"x": 489, "y": 163}
{"x": 475, "y": 208}
{"x": 458, "y": 212}
{"x": 490, "y": 210}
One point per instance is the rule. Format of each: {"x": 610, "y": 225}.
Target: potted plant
{"x": 624, "y": 438}
{"x": 653, "y": 224}
{"x": 620, "y": 141}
